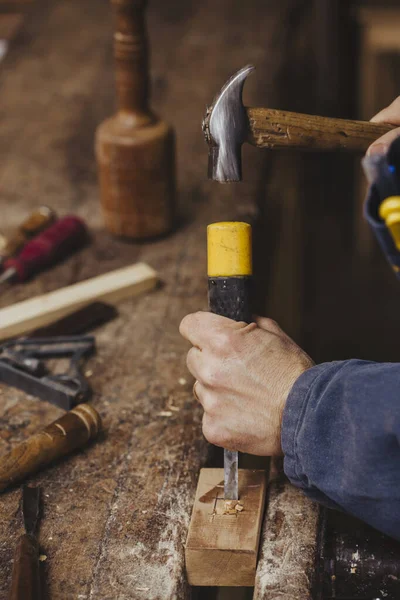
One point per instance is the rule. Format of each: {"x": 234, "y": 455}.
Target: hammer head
{"x": 225, "y": 127}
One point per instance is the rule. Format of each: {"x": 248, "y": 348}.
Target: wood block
{"x": 221, "y": 549}
{"x": 23, "y": 317}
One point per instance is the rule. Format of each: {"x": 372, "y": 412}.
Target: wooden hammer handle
{"x": 65, "y": 435}
{"x": 280, "y": 129}
{"x": 131, "y": 57}
{"x": 25, "y": 580}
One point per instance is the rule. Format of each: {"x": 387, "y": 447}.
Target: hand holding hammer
{"x": 228, "y": 124}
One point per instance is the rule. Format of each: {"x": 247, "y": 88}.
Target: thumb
{"x": 382, "y": 144}
{"x": 391, "y": 115}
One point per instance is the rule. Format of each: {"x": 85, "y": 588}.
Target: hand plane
{"x": 23, "y": 365}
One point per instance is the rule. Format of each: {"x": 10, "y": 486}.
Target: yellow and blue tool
{"x": 382, "y": 207}
{"x": 229, "y": 250}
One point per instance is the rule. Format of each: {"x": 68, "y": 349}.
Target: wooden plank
{"x": 221, "y": 548}
{"x": 23, "y": 317}
{"x": 288, "y": 544}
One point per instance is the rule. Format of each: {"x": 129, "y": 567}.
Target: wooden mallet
{"x": 135, "y": 150}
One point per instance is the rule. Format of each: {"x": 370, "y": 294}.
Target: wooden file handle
{"x": 271, "y": 128}
{"x": 131, "y": 57}
{"x": 71, "y": 431}
{"x": 25, "y": 581}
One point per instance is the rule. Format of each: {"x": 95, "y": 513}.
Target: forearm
{"x": 340, "y": 436}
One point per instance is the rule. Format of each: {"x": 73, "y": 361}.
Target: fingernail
{"x": 378, "y": 149}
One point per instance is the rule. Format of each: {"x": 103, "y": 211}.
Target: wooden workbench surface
{"x": 116, "y": 514}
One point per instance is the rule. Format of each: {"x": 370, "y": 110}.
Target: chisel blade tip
{"x": 30, "y": 507}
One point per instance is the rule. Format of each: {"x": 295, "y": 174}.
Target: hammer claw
{"x": 225, "y": 127}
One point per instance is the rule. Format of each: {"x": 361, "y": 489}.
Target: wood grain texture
{"x": 135, "y": 150}
{"x": 116, "y": 513}
{"x": 222, "y": 549}
{"x": 275, "y": 129}
{"x": 113, "y": 287}
{"x": 288, "y": 545}
{"x": 73, "y": 430}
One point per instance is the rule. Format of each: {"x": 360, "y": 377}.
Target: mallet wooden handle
{"x": 25, "y": 574}
{"x": 71, "y": 431}
{"x": 131, "y": 57}
{"x": 280, "y": 129}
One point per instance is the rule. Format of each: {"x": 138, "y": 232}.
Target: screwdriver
{"x": 38, "y": 220}
{"x": 52, "y": 245}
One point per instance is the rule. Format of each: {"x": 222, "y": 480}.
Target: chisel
{"x": 52, "y": 245}
{"x": 229, "y": 249}
{"x": 25, "y": 581}
{"x": 70, "y": 432}
{"x": 37, "y": 221}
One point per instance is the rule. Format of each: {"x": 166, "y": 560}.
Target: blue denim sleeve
{"x": 341, "y": 439}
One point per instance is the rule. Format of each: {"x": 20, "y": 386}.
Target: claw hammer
{"x": 228, "y": 124}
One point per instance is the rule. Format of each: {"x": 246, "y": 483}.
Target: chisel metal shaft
{"x": 229, "y": 289}
{"x": 25, "y": 581}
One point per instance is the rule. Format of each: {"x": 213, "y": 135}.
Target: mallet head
{"x": 225, "y": 128}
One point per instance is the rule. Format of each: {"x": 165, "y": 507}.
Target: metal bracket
{"x": 22, "y": 365}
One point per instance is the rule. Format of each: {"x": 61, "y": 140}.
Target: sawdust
{"x": 229, "y": 507}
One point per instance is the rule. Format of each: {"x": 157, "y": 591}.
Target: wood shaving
{"x": 165, "y": 413}
{"x": 232, "y": 507}
{"x": 182, "y": 381}
{"x": 171, "y": 406}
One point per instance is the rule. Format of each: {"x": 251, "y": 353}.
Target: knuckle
{"x": 272, "y": 325}
{"x": 223, "y": 341}
{"x": 212, "y": 433}
{"x": 185, "y": 323}
{"x": 189, "y": 360}
{"x": 210, "y": 404}
{"x": 212, "y": 374}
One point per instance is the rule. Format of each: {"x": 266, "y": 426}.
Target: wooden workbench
{"x": 116, "y": 514}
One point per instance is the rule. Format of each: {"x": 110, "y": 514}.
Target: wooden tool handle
{"x": 68, "y": 433}
{"x": 25, "y": 581}
{"x": 279, "y": 129}
{"x": 131, "y": 57}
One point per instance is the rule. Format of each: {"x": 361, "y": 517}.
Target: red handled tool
{"x": 39, "y": 220}
{"x": 52, "y": 245}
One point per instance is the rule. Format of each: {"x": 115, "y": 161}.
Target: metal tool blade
{"x": 30, "y": 508}
{"x": 231, "y": 483}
